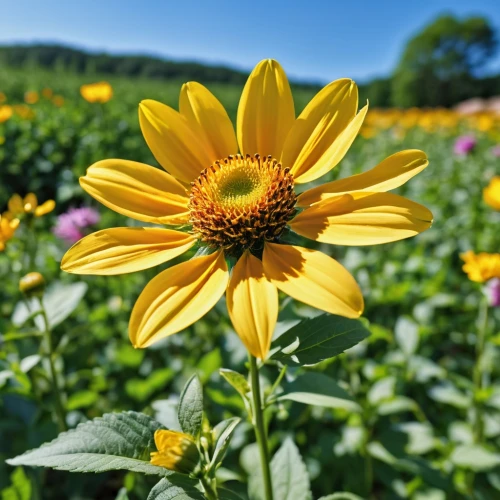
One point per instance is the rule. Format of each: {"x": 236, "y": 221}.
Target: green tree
{"x": 439, "y": 66}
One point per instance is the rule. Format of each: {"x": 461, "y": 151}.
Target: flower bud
{"x": 32, "y": 284}
{"x": 176, "y": 451}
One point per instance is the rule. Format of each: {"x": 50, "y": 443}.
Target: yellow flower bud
{"x": 176, "y": 451}
{"x": 32, "y": 284}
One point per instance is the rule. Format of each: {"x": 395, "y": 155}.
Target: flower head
{"x": 32, "y": 284}
{"x": 495, "y": 151}
{"x": 234, "y": 196}
{"x": 29, "y": 205}
{"x": 31, "y": 97}
{"x": 481, "y": 267}
{"x": 491, "y": 193}
{"x": 5, "y": 113}
{"x": 493, "y": 292}
{"x": 176, "y": 451}
{"x": 8, "y": 226}
{"x": 97, "y": 92}
{"x": 70, "y": 226}
{"x": 465, "y": 145}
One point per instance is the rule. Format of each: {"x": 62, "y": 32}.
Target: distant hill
{"x": 81, "y": 61}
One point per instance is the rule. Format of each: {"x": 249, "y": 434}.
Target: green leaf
{"x": 222, "y": 434}
{"x": 319, "y": 390}
{"x": 316, "y": 339}
{"x": 116, "y": 441}
{"x": 225, "y": 494}
{"x": 20, "y": 488}
{"x": 81, "y": 399}
{"x": 237, "y": 380}
{"x": 407, "y": 336}
{"x": 176, "y": 488}
{"x": 122, "y": 494}
{"x": 289, "y": 473}
{"x": 341, "y": 495}
{"x": 142, "y": 389}
{"x": 59, "y": 300}
{"x": 447, "y": 393}
{"x": 190, "y": 412}
{"x": 475, "y": 457}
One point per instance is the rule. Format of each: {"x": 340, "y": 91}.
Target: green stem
{"x": 59, "y": 408}
{"x": 478, "y": 372}
{"x": 260, "y": 430}
{"x": 277, "y": 382}
{"x": 209, "y": 490}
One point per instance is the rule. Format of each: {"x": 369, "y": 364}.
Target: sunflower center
{"x": 241, "y": 201}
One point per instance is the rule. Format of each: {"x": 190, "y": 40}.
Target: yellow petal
{"x": 313, "y": 278}
{"x": 391, "y": 173}
{"x": 136, "y": 190}
{"x": 175, "y": 146}
{"x": 266, "y": 111}
{"x": 252, "y": 302}
{"x": 322, "y": 121}
{"x": 30, "y": 202}
{"x": 45, "y": 208}
{"x": 333, "y": 154}
{"x": 16, "y": 205}
{"x": 208, "y": 118}
{"x": 125, "y": 250}
{"x": 178, "y": 297}
{"x": 362, "y": 218}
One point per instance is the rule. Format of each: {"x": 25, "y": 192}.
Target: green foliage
{"x": 316, "y": 339}
{"x": 178, "y": 488}
{"x": 190, "y": 413}
{"x": 439, "y": 66}
{"x": 116, "y": 441}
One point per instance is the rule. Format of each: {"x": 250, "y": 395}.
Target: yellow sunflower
{"x": 481, "y": 267}
{"x": 491, "y": 193}
{"x": 233, "y": 195}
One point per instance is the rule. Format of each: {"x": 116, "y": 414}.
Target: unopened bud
{"x": 176, "y": 451}
{"x": 32, "y": 284}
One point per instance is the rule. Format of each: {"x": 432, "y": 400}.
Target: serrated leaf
{"x": 190, "y": 411}
{"x": 115, "y": 441}
{"x": 176, "y": 488}
{"x": 222, "y": 434}
{"x": 319, "y": 390}
{"x": 289, "y": 474}
{"x": 475, "y": 457}
{"x": 59, "y": 300}
{"x": 237, "y": 380}
{"x": 316, "y": 339}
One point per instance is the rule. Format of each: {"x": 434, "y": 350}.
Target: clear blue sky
{"x": 313, "y": 39}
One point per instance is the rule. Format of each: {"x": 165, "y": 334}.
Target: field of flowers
{"x": 411, "y": 411}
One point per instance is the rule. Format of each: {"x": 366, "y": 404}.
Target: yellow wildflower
{"x": 5, "y": 113}
{"x": 32, "y": 284}
{"x": 233, "y": 194}
{"x": 29, "y": 205}
{"x": 58, "y": 100}
{"x": 31, "y": 97}
{"x": 491, "y": 193}
{"x": 8, "y": 226}
{"x": 481, "y": 267}
{"x": 97, "y": 92}
{"x": 176, "y": 451}
{"x": 47, "y": 93}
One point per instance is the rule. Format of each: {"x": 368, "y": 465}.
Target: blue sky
{"x": 313, "y": 39}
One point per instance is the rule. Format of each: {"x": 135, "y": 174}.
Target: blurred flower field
{"x": 430, "y": 364}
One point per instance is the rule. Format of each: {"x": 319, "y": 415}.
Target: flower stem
{"x": 209, "y": 490}
{"x": 260, "y": 430}
{"x": 478, "y": 372}
{"x": 59, "y": 408}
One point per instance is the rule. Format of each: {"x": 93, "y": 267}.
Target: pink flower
{"x": 496, "y": 151}
{"x": 71, "y": 224}
{"x": 464, "y": 145}
{"x": 493, "y": 292}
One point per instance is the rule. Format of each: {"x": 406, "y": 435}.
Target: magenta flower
{"x": 71, "y": 225}
{"x": 493, "y": 292}
{"x": 464, "y": 145}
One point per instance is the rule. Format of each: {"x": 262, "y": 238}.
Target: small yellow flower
{"x": 47, "y": 93}
{"x": 491, "y": 193}
{"x": 29, "y": 205}
{"x": 8, "y": 226}
{"x": 97, "y": 92}
{"x": 176, "y": 451}
{"x": 24, "y": 111}
{"x": 481, "y": 267}
{"x": 32, "y": 284}
{"x": 232, "y": 193}
{"x": 5, "y": 113}
{"x": 31, "y": 97}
